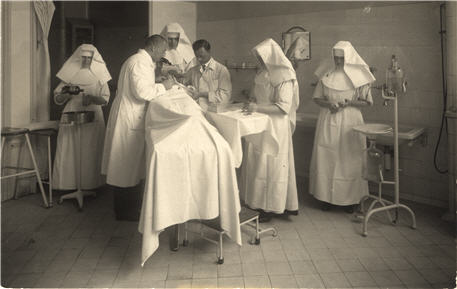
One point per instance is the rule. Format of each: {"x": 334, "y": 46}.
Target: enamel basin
{"x": 406, "y": 134}
{"x": 383, "y": 133}
{"x": 372, "y": 130}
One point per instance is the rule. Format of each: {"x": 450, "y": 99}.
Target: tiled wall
{"x": 409, "y": 30}
{"x": 451, "y": 41}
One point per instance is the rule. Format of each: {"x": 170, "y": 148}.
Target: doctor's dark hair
{"x": 201, "y": 43}
{"x": 154, "y": 40}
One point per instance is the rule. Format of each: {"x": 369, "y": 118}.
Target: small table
{"x": 256, "y": 128}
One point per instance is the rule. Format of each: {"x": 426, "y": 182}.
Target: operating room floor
{"x": 61, "y": 247}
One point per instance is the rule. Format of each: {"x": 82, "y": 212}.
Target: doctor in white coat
{"x": 123, "y": 156}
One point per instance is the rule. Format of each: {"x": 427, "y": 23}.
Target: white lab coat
{"x": 339, "y": 152}
{"x": 268, "y": 182}
{"x": 215, "y": 80}
{"x": 64, "y": 172}
{"x": 123, "y": 156}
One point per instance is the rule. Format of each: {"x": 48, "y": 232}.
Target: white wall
{"x": 18, "y": 50}
{"x": 18, "y": 41}
{"x": 162, "y": 13}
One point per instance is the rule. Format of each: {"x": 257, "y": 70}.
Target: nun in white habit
{"x": 339, "y": 152}
{"x": 179, "y": 52}
{"x": 86, "y": 69}
{"x": 268, "y": 182}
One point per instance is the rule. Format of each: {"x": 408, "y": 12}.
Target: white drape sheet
{"x": 256, "y": 128}
{"x": 190, "y": 171}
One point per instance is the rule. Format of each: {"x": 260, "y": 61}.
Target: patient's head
{"x": 158, "y": 72}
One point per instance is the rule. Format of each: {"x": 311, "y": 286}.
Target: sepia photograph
{"x": 228, "y": 144}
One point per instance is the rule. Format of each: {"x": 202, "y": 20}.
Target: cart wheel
{"x": 394, "y": 222}
{"x": 257, "y": 241}
{"x": 365, "y": 234}
{"x": 185, "y": 243}
{"x": 220, "y": 261}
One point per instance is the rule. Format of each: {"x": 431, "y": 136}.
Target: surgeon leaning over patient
{"x": 269, "y": 183}
{"x": 86, "y": 70}
{"x": 123, "y": 156}
{"x": 338, "y": 153}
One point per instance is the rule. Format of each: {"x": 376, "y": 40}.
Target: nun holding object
{"x": 339, "y": 152}
{"x": 83, "y": 87}
{"x": 268, "y": 182}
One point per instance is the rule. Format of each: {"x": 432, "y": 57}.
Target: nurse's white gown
{"x": 92, "y": 138}
{"x": 339, "y": 152}
{"x": 268, "y": 182}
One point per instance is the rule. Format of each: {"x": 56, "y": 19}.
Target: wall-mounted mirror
{"x": 296, "y": 43}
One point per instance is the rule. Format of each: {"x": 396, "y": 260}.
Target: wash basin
{"x": 372, "y": 130}
{"x": 407, "y": 134}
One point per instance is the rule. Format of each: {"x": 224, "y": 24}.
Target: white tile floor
{"x": 61, "y": 247}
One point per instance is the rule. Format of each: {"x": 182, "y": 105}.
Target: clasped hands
{"x": 334, "y": 107}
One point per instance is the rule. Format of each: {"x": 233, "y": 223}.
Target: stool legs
{"x": 17, "y": 165}
{"x": 50, "y": 171}
{"x": 37, "y": 173}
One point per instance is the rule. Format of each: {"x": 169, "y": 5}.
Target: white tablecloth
{"x": 256, "y": 128}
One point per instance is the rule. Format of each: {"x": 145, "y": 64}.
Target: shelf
{"x": 236, "y": 67}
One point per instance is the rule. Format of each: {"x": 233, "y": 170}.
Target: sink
{"x": 406, "y": 134}
{"x": 383, "y": 133}
{"x": 372, "y": 130}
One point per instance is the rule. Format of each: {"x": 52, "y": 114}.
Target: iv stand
{"x": 396, "y": 204}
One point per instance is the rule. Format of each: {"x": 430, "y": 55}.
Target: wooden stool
{"x": 16, "y": 132}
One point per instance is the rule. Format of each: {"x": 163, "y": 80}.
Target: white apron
{"x": 338, "y": 154}
{"x": 268, "y": 182}
{"x": 92, "y": 137}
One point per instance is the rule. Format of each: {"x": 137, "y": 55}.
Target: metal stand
{"x": 387, "y": 205}
{"x": 247, "y": 216}
{"x": 79, "y": 194}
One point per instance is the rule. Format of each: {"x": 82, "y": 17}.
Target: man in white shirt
{"x": 123, "y": 156}
{"x": 210, "y": 78}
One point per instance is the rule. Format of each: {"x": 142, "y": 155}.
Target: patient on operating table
{"x": 190, "y": 170}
